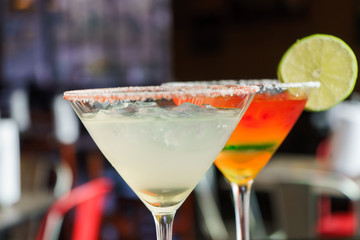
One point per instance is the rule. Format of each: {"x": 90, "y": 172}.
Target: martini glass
{"x": 264, "y": 126}
{"x": 161, "y": 140}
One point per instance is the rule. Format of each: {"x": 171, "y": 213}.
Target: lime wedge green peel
{"x": 323, "y": 58}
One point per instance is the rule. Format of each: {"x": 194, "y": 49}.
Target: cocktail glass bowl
{"x": 161, "y": 140}
{"x": 264, "y": 126}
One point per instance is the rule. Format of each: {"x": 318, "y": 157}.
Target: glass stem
{"x": 164, "y": 224}
{"x": 241, "y": 195}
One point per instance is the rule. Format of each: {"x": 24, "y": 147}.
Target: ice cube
{"x": 140, "y": 104}
{"x": 154, "y": 110}
{"x": 208, "y": 107}
{"x": 146, "y": 108}
{"x": 101, "y": 105}
{"x": 118, "y": 109}
{"x": 188, "y": 108}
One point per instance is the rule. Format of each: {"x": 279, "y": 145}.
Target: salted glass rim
{"x": 264, "y": 83}
{"x": 140, "y": 93}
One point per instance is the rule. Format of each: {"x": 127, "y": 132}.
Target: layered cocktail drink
{"x": 268, "y": 120}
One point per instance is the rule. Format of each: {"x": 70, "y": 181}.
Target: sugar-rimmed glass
{"x": 161, "y": 140}
{"x": 269, "y": 118}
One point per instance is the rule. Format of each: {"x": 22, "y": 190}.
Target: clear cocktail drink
{"x": 161, "y": 149}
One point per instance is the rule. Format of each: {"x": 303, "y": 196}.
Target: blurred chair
{"x": 88, "y": 202}
{"x": 295, "y": 184}
{"x": 334, "y": 223}
{"x": 212, "y": 223}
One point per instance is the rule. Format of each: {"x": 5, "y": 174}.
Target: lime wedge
{"x": 323, "y": 58}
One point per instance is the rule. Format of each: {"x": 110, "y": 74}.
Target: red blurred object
{"x": 323, "y": 151}
{"x": 335, "y": 224}
{"x": 88, "y": 201}
{"x": 330, "y": 223}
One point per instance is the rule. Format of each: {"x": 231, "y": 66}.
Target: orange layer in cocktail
{"x": 262, "y": 129}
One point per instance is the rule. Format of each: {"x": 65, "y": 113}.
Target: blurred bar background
{"x": 49, "y": 46}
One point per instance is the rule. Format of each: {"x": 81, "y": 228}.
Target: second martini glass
{"x": 159, "y": 144}
{"x": 268, "y": 120}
